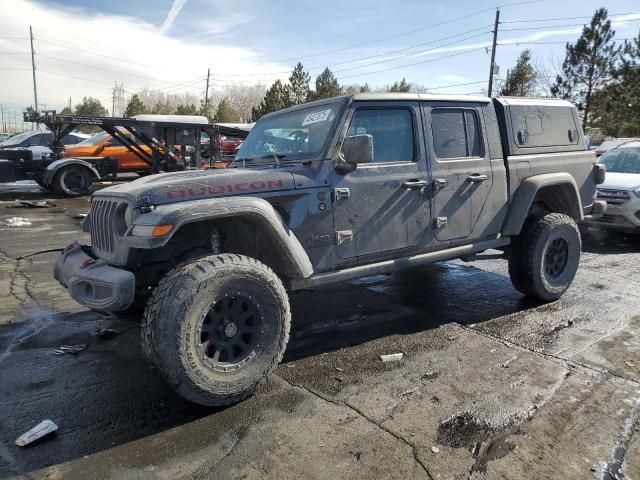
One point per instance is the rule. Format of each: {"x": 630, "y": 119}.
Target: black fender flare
{"x": 182, "y": 213}
{"x": 526, "y": 194}
{"x": 54, "y": 167}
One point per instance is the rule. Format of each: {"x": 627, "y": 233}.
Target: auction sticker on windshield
{"x": 316, "y": 117}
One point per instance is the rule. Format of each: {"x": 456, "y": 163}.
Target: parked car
{"x": 38, "y": 142}
{"x": 5, "y": 136}
{"x": 621, "y": 189}
{"x": 104, "y": 145}
{"x": 326, "y": 192}
{"x": 607, "y": 145}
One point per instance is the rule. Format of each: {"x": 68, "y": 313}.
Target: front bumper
{"x": 94, "y": 283}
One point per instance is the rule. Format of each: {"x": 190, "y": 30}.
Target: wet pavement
{"x": 491, "y": 385}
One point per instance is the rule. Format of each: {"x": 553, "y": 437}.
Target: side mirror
{"x": 358, "y": 149}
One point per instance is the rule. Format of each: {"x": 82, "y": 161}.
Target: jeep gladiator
{"x": 330, "y": 191}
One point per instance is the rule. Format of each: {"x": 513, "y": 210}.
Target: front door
{"x": 461, "y": 168}
{"x": 383, "y": 206}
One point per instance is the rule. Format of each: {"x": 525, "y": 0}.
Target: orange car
{"x": 104, "y": 145}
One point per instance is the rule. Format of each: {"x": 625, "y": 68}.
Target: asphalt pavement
{"x": 491, "y": 385}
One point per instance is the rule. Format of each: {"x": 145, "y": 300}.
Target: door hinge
{"x": 343, "y": 236}
{"x": 440, "y": 222}
{"x": 341, "y": 193}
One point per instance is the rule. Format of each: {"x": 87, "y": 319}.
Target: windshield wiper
{"x": 276, "y": 157}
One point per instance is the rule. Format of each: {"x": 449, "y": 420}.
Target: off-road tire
{"x": 170, "y": 334}
{"x": 63, "y": 185}
{"x": 529, "y": 259}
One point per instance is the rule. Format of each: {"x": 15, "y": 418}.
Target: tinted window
{"x": 456, "y": 133}
{"x": 392, "y": 132}
{"x": 543, "y": 126}
{"x": 41, "y": 140}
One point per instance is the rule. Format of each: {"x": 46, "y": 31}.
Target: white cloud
{"x": 139, "y": 56}
{"x": 176, "y": 6}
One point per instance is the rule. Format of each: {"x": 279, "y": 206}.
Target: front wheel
{"x": 544, "y": 258}
{"x": 217, "y": 327}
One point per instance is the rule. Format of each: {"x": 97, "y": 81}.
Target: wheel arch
{"x": 553, "y": 192}
{"x": 248, "y": 226}
{"x": 56, "y": 167}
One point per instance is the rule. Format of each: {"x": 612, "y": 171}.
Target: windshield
{"x": 93, "y": 140}
{"x": 622, "y": 160}
{"x": 301, "y": 133}
{"x": 17, "y": 139}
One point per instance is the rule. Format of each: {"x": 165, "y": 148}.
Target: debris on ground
{"x": 36, "y": 203}
{"x": 44, "y": 428}
{"x": 340, "y": 369}
{"x": 409, "y": 392}
{"x": 476, "y": 450}
{"x": 72, "y": 349}
{"x": 338, "y": 379}
{"x": 104, "y": 333}
{"x": 17, "y": 222}
{"x": 392, "y": 357}
{"x": 430, "y": 375}
{"x": 435, "y": 449}
{"x": 629, "y": 364}
{"x": 507, "y": 363}
{"x": 79, "y": 216}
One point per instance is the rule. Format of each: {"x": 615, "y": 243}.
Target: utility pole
{"x": 493, "y": 51}
{"x": 70, "y": 104}
{"x": 113, "y": 101}
{"x": 4, "y": 127}
{"x": 206, "y": 92}
{"x": 33, "y": 70}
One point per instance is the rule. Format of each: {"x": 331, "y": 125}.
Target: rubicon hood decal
{"x": 182, "y": 186}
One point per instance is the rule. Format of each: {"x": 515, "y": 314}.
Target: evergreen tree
{"x": 298, "y": 88}
{"x": 66, "y": 111}
{"x": 135, "y": 107}
{"x": 521, "y": 79}
{"x": 365, "y": 88}
{"x": 225, "y": 113}
{"x": 588, "y": 65}
{"x": 275, "y": 99}
{"x": 90, "y": 107}
{"x": 209, "y": 111}
{"x": 616, "y": 106}
{"x": 186, "y": 110}
{"x": 327, "y": 86}
{"x": 403, "y": 86}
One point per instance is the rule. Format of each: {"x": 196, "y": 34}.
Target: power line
{"x": 100, "y": 54}
{"x": 566, "y": 18}
{"x": 556, "y": 26}
{"x": 374, "y": 56}
{"x": 402, "y": 34}
{"x": 416, "y": 63}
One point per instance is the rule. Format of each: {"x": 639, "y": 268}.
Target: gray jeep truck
{"x": 324, "y": 192}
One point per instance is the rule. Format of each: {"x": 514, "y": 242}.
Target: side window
{"x": 456, "y": 133}
{"x": 392, "y": 132}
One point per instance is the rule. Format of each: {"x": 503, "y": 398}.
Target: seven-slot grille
{"x": 613, "y": 197}
{"x": 103, "y": 225}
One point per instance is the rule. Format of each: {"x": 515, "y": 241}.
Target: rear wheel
{"x": 544, "y": 258}
{"x": 216, "y": 328}
{"x": 73, "y": 181}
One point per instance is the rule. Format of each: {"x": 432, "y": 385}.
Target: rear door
{"x": 461, "y": 169}
{"x": 383, "y": 206}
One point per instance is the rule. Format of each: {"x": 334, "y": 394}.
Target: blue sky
{"x": 257, "y": 41}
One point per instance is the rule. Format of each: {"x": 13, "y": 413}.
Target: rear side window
{"x": 456, "y": 133}
{"x": 543, "y": 126}
{"x": 392, "y": 132}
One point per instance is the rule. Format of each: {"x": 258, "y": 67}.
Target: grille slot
{"x": 103, "y": 213}
{"x": 613, "y": 197}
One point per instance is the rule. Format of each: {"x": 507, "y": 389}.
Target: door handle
{"x": 477, "y": 177}
{"x": 415, "y": 184}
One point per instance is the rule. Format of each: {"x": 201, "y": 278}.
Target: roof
{"x": 442, "y": 97}
{"x": 549, "y": 102}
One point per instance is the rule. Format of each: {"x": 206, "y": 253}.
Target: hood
{"x": 183, "y": 186}
{"x": 621, "y": 181}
